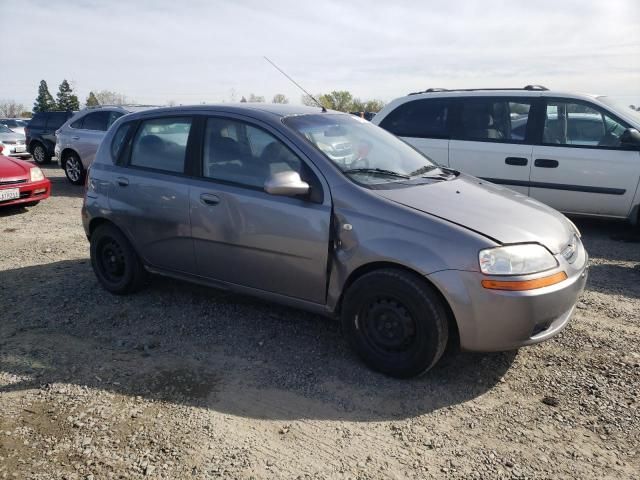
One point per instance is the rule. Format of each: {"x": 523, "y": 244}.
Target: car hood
{"x": 12, "y": 168}
{"x": 494, "y": 211}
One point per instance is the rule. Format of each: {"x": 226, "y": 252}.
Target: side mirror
{"x": 630, "y": 138}
{"x": 288, "y": 184}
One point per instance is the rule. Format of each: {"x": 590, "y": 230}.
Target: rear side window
{"x": 426, "y": 118}
{"x": 56, "y": 119}
{"x": 493, "y": 119}
{"x": 161, "y": 144}
{"x": 118, "y": 140}
{"x": 96, "y": 121}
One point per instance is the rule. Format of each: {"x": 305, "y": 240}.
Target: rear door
{"x": 491, "y": 139}
{"x": 580, "y": 166}
{"x": 150, "y": 191}
{"x": 246, "y": 236}
{"x": 423, "y": 123}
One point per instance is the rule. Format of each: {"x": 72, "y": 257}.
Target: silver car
{"x": 13, "y": 143}
{"x": 406, "y": 253}
{"x": 77, "y": 140}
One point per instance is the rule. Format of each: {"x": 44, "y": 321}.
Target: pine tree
{"x": 44, "y": 101}
{"x": 92, "y": 101}
{"x": 67, "y": 101}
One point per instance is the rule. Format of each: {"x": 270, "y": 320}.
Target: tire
{"x": 396, "y": 322}
{"x": 32, "y": 204}
{"x": 73, "y": 169}
{"x": 40, "y": 155}
{"x": 116, "y": 264}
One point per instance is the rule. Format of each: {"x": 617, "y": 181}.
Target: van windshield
{"x": 366, "y": 153}
{"x": 620, "y": 105}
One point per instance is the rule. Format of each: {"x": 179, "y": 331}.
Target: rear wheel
{"x": 395, "y": 322}
{"x": 73, "y": 169}
{"x": 115, "y": 262}
{"x": 40, "y": 155}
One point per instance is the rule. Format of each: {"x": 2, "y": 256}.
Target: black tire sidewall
{"x": 423, "y": 305}
{"x": 128, "y": 281}
{"x": 45, "y": 157}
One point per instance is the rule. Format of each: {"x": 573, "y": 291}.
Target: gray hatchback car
{"x": 407, "y": 253}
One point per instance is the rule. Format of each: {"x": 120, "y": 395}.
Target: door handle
{"x": 122, "y": 181}
{"x": 75, "y": 138}
{"x": 518, "y": 161}
{"x": 209, "y": 199}
{"x": 546, "y": 163}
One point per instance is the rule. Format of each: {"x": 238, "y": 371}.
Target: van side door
{"x": 491, "y": 139}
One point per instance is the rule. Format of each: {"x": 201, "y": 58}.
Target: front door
{"x": 491, "y": 140}
{"x": 245, "y": 236}
{"x": 580, "y": 166}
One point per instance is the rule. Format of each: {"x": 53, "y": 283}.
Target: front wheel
{"x": 40, "y": 155}
{"x": 396, "y": 322}
{"x": 74, "y": 169}
{"x": 115, "y": 262}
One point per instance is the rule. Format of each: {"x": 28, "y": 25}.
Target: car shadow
{"x": 614, "y": 279}
{"x": 60, "y": 186}
{"x": 191, "y": 345}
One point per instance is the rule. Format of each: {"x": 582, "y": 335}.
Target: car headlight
{"x": 520, "y": 259}
{"x": 36, "y": 174}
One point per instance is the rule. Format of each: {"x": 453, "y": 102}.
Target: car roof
{"x": 277, "y": 109}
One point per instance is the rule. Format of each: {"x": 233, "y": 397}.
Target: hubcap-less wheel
{"x": 39, "y": 154}
{"x": 73, "y": 169}
{"x": 387, "y": 325}
{"x": 111, "y": 260}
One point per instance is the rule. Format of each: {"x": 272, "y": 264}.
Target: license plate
{"x": 20, "y": 148}
{"x": 9, "y": 194}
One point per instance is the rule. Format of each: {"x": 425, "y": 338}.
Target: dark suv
{"x": 41, "y": 134}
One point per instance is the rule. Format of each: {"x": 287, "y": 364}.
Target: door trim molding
{"x": 558, "y": 186}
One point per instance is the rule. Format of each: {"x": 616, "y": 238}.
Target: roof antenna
{"x": 324, "y": 110}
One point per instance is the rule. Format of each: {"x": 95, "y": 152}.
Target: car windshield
{"x": 622, "y": 106}
{"x": 366, "y": 153}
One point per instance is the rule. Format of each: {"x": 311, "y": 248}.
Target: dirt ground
{"x": 181, "y": 381}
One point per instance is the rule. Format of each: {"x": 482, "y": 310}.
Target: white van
{"x": 578, "y": 153}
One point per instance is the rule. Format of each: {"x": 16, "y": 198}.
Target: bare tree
{"x": 255, "y": 98}
{"x": 279, "y": 98}
{"x": 107, "y": 97}
{"x": 10, "y": 108}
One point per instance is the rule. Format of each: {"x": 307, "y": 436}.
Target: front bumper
{"x": 15, "y": 150}
{"x": 496, "y": 320}
{"x": 29, "y": 192}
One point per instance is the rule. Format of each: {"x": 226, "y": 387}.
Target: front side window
{"x": 113, "y": 116}
{"x": 161, "y": 144}
{"x": 493, "y": 119}
{"x": 367, "y": 154}
{"x": 238, "y": 152}
{"x": 580, "y": 124}
{"x": 424, "y": 118}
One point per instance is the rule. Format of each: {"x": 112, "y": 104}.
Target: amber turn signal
{"x": 520, "y": 285}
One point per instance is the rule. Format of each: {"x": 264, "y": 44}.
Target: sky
{"x": 195, "y": 51}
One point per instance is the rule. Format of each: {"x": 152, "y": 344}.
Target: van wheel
{"x": 115, "y": 262}
{"x": 73, "y": 169}
{"x": 395, "y": 322}
{"x": 40, "y": 155}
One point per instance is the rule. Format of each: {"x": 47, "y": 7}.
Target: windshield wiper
{"x": 378, "y": 171}
{"x": 424, "y": 169}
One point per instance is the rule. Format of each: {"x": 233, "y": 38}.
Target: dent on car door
{"x": 491, "y": 140}
{"x": 580, "y": 166}
{"x": 150, "y": 193}
{"x": 424, "y": 124}
{"x": 245, "y": 236}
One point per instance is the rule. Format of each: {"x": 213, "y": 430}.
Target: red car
{"x": 21, "y": 183}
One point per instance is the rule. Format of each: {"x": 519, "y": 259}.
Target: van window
{"x": 240, "y": 153}
{"x": 161, "y": 144}
{"x": 38, "y": 120}
{"x": 56, "y": 119}
{"x": 424, "y": 118}
{"x": 580, "y": 124}
{"x": 493, "y": 119}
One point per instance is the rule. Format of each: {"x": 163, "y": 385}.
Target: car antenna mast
{"x": 324, "y": 110}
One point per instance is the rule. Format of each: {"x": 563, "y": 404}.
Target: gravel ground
{"x": 181, "y": 381}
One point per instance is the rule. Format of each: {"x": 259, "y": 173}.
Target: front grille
{"x": 12, "y": 182}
